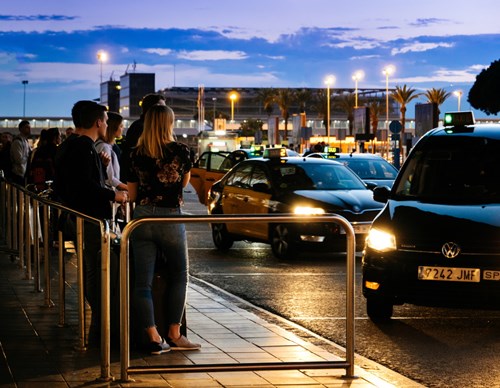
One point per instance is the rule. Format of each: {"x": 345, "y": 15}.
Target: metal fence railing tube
{"x": 127, "y": 370}
{"x": 23, "y": 234}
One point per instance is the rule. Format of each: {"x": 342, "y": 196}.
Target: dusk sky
{"x": 231, "y": 43}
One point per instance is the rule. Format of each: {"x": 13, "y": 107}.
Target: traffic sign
{"x": 395, "y": 126}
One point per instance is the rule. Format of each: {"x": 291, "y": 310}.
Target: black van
{"x": 437, "y": 240}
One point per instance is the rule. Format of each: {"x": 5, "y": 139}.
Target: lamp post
{"x": 388, "y": 70}
{"x": 458, "y": 93}
{"x": 357, "y": 77}
{"x": 233, "y": 96}
{"x": 25, "y": 82}
{"x": 214, "y": 99}
{"x": 102, "y": 56}
{"x": 329, "y": 81}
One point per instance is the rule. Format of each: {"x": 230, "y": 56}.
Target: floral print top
{"x": 160, "y": 180}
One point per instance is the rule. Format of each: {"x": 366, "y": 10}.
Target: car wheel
{"x": 221, "y": 237}
{"x": 379, "y": 310}
{"x": 281, "y": 242}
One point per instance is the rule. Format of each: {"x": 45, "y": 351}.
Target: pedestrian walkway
{"x": 36, "y": 352}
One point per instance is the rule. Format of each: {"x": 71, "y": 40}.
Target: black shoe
{"x": 159, "y": 347}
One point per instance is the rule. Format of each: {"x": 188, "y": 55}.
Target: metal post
{"x": 105, "y": 303}
{"x": 36, "y": 244}
{"x": 27, "y": 235}
{"x": 46, "y": 254}
{"x": 80, "y": 282}
{"x": 62, "y": 277}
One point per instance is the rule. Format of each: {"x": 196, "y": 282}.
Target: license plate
{"x": 358, "y": 228}
{"x": 489, "y": 274}
{"x": 447, "y": 274}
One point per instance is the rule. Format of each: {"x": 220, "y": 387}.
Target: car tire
{"x": 282, "y": 242}
{"x": 221, "y": 237}
{"x": 379, "y": 310}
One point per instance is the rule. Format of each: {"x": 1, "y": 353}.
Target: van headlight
{"x": 381, "y": 241}
{"x": 308, "y": 211}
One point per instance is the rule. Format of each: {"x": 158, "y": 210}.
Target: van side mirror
{"x": 381, "y": 194}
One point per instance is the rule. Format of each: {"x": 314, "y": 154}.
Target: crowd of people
{"x": 94, "y": 176}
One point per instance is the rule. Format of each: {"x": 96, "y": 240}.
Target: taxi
{"x": 436, "y": 242}
{"x": 373, "y": 169}
{"x": 291, "y": 185}
{"x": 212, "y": 165}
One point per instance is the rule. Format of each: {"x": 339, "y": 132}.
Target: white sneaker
{"x": 182, "y": 343}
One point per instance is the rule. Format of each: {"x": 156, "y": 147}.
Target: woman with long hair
{"x": 158, "y": 172}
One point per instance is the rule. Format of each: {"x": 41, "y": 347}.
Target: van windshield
{"x": 455, "y": 169}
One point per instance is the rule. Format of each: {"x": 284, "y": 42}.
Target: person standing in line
{"x": 135, "y": 131}
{"x": 5, "y": 163}
{"x": 81, "y": 187}
{"x": 105, "y": 144}
{"x": 159, "y": 170}
{"x": 41, "y": 167}
{"x": 20, "y": 151}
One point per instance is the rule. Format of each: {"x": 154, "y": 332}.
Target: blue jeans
{"x": 163, "y": 241}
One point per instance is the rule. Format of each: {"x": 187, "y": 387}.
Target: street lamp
{"x": 357, "y": 77}
{"x": 214, "y": 99}
{"x": 102, "y": 56}
{"x": 25, "y": 82}
{"x": 329, "y": 81}
{"x": 233, "y": 97}
{"x": 458, "y": 93}
{"x": 388, "y": 70}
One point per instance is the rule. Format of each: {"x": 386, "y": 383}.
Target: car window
{"x": 216, "y": 161}
{"x": 328, "y": 176}
{"x": 259, "y": 180}
{"x": 240, "y": 177}
{"x": 453, "y": 169}
{"x": 372, "y": 169}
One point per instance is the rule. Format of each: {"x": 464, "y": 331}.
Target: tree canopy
{"x": 485, "y": 93}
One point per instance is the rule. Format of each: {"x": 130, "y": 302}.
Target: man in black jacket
{"x": 81, "y": 186}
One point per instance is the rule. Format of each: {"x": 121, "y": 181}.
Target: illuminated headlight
{"x": 308, "y": 211}
{"x": 381, "y": 241}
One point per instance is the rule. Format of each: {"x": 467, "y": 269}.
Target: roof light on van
{"x": 458, "y": 119}
{"x": 274, "y": 153}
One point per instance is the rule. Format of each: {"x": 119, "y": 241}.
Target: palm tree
{"x": 376, "y": 110}
{"x": 266, "y": 97}
{"x": 284, "y": 98}
{"x": 346, "y": 103}
{"x": 303, "y": 97}
{"x": 437, "y": 96}
{"x": 403, "y": 95}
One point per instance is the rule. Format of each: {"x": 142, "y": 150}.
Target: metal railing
{"x": 22, "y": 237}
{"x": 127, "y": 370}
{"x": 21, "y": 220}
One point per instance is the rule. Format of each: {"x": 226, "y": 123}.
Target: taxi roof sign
{"x": 274, "y": 153}
{"x": 458, "y": 119}
{"x": 331, "y": 152}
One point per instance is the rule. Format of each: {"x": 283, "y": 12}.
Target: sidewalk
{"x": 35, "y": 352}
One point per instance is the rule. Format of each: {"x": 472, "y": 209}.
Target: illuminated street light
{"x": 25, "y": 82}
{"x": 329, "y": 81}
{"x": 102, "y": 56}
{"x": 458, "y": 93}
{"x": 359, "y": 75}
{"x": 388, "y": 70}
{"x": 233, "y": 97}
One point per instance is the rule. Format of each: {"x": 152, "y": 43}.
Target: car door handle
{"x": 245, "y": 199}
